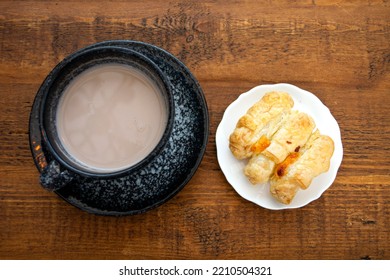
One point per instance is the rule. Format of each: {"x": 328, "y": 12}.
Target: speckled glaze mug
{"x": 89, "y": 108}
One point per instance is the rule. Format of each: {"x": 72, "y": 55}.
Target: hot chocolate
{"x": 110, "y": 117}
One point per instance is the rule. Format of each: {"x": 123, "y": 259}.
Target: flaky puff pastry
{"x": 300, "y": 168}
{"x": 292, "y": 135}
{"x": 293, "y": 132}
{"x": 261, "y": 118}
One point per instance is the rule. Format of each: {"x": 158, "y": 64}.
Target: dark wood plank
{"x": 339, "y": 51}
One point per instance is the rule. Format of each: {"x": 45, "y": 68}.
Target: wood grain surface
{"x": 339, "y": 50}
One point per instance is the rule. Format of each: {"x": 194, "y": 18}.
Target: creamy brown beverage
{"x": 111, "y": 117}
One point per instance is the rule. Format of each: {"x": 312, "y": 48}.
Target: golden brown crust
{"x": 284, "y": 191}
{"x": 293, "y": 134}
{"x": 281, "y": 146}
{"x": 258, "y": 121}
{"x": 313, "y": 160}
{"x": 259, "y": 169}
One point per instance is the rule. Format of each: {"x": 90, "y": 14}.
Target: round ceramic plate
{"x": 168, "y": 173}
{"x": 233, "y": 169}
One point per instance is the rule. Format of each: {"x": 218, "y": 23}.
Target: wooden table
{"x": 339, "y": 51}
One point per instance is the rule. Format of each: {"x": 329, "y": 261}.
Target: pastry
{"x": 261, "y": 119}
{"x": 293, "y": 132}
{"x": 281, "y": 146}
{"x": 299, "y": 169}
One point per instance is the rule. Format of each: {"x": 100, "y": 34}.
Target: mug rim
{"x": 65, "y": 160}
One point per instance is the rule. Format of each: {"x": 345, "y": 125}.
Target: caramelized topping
{"x": 260, "y": 145}
{"x": 281, "y": 168}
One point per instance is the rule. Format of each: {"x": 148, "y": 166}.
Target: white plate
{"x": 233, "y": 169}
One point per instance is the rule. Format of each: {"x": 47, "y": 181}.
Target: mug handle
{"x": 53, "y": 178}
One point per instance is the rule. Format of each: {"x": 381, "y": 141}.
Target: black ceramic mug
{"x": 61, "y": 166}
